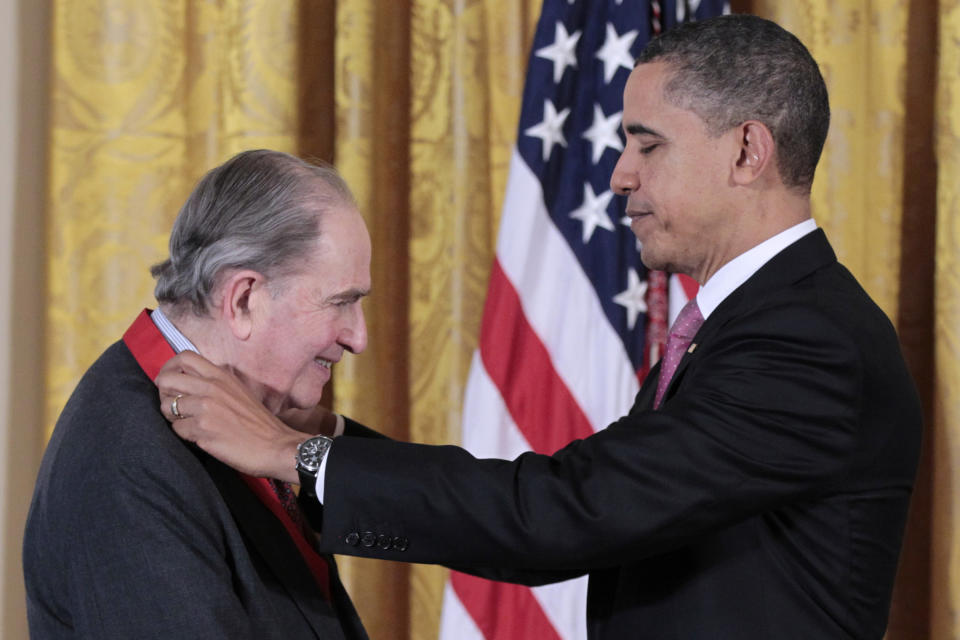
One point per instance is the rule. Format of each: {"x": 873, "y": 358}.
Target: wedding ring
{"x": 175, "y": 409}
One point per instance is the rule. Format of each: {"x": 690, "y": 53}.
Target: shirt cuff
{"x": 321, "y": 473}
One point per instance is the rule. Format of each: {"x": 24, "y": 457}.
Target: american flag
{"x": 573, "y": 320}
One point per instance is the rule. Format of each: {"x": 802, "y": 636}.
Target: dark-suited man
{"x": 759, "y": 486}
{"x": 132, "y": 533}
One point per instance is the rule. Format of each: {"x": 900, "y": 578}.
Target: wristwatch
{"x": 310, "y": 453}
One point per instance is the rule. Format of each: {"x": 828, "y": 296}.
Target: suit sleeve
{"x": 354, "y": 429}
{"x": 153, "y": 563}
{"x": 766, "y": 414}
{"x": 529, "y": 578}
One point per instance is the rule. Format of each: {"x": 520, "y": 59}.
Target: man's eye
{"x": 648, "y": 149}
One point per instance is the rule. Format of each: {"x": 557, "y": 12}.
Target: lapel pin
{"x": 692, "y": 348}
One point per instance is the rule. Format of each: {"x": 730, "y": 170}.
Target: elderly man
{"x": 759, "y": 486}
{"x": 132, "y": 533}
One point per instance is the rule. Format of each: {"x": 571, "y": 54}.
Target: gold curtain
{"x": 858, "y": 45}
{"x": 416, "y": 101}
{"x": 145, "y": 97}
{"x": 427, "y": 101}
{"x": 945, "y": 547}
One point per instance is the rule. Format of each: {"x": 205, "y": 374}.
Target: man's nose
{"x": 353, "y": 336}
{"x": 624, "y": 178}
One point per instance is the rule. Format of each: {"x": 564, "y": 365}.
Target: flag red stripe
{"x": 520, "y": 367}
{"x": 502, "y": 611}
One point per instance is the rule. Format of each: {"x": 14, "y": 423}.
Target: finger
{"x": 191, "y": 362}
{"x": 170, "y": 388}
{"x": 177, "y": 364}
{"x": 173, "y": 408}
{"x": 187, "y": 429}
{"x": 174, "y": 381}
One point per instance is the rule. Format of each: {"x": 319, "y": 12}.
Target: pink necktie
{"x": 681, "y": 333}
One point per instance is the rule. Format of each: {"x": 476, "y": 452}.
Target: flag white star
{"x": 603, "y": 132}
{"x": 615, "y": 51}
{"x": 688, "y": 8}
{"x": 593, "y": 211}
{"x": 632, "y": 298}
{"x": 561, "y": 52}
{"x": 550, "y": 129}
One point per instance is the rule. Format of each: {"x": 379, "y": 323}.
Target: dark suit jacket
{"x": 134, "y": 534}
{"x": 766, "y": 498}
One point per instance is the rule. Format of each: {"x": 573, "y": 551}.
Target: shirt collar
{"x": 737, "y": 271}
{"x": 177, "y": 340}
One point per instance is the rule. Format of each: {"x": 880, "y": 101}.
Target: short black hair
{"x": 735, "y": 68}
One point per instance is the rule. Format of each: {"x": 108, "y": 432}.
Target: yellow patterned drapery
{"x": 468, "y": 66}
{"x": 417, "y": 101}
{"x": 856, "y": 194}
{"x": 146, "y": 95}
{"x": 946, "y": 410}
{"x": 425, "y": 122}
{"x": 420, "y": 92}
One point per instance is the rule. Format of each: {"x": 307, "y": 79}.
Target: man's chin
{"x": 651, "y": 261}
{"x": 655, "y": 261}
{"x": 303, "y": 402}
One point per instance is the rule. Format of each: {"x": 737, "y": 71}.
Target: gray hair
{"x": 735, "y": 68}
{"x": 260, "y": 210}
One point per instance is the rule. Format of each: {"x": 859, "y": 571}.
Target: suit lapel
{"x": 797, "y": 261}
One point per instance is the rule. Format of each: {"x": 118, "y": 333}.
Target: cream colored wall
{"x": 23, "y": 83}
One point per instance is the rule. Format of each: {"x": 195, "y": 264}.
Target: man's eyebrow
{"x": 637, "y": 129}
{"x": 349, "y": 295}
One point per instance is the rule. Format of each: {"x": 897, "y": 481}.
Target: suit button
{"x": 383, "y": 541}
{"x": 352, "y": 538}
{"x": 400, "y": 544}
{"x": 368, "y": 539}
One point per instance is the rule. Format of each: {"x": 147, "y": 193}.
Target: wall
{"x": 24, "y": 61}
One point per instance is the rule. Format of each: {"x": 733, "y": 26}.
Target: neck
{"x": 766, "y": 216}
{"x": 204, "y": 332}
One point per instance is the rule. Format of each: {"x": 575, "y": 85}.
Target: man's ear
{"x": 756, "y": 152}
{"x": 242, "y": 294}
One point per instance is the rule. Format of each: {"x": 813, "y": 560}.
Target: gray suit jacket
{"x": 134, "y": 534}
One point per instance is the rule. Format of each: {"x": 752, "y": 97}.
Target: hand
{"x": 223, "y": 418}
{"x": 318, "y": 421}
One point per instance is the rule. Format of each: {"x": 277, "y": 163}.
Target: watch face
{"x": 311, "y": 452}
